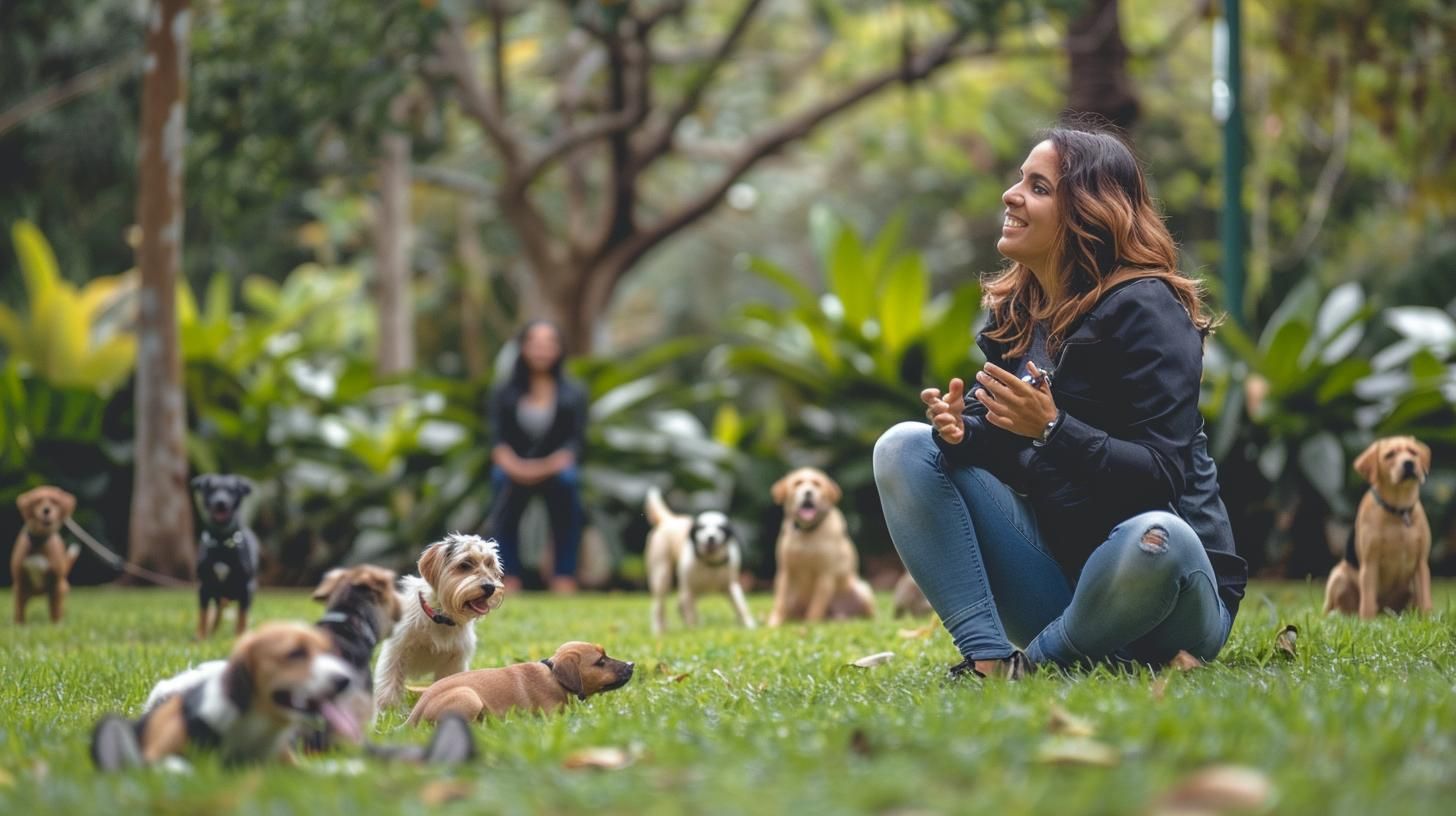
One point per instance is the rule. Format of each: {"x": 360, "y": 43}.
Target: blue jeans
{"x": 562, "y": 493}
{"x": 973, "y": 545}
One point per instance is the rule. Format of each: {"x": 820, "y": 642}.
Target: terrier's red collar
{"x": 430, "y": 613}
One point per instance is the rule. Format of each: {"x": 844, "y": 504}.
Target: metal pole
{"x": 1228, "y": 110}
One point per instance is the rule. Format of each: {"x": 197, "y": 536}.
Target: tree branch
{"x": 662, "y": 141}
{"x": 497, "y": 54}
{"x": 913, "y": 68}
{"x": 455, "y": 181}
{"x": 455, "y": 53}
{"x": 1324, "y": 188}
{"x": 88, "y": 81}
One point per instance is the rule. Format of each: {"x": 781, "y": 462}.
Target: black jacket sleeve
{"x": 1161, "y": 363}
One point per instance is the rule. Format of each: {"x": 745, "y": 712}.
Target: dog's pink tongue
{"x": 341, "y": 721}
{"x": 806, "y": 512}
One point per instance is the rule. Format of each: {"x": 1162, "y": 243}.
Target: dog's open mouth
{"x": 806, "y": 512}
{"x": 483, "y": 605}
{"x": 221, "y": 516}
{"x": 340, "y": 719}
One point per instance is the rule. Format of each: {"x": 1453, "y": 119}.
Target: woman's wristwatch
{"x": 1051, "y": 428}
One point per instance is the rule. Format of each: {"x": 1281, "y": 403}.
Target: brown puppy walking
{"x": 577, "y": 669}
{"x": 1387, "y": 564}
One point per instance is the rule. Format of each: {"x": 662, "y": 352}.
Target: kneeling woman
{"x": 1072, "y": 508}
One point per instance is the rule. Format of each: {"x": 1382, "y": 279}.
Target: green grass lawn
{"x": 723, "y": 720}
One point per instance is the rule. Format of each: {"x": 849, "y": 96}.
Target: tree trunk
{"x": 396, "y": 353}
{"x": 1097, "y": 56}
{"x": 161, "y": 507}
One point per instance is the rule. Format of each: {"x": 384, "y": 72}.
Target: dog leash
{"x": 116, "y": 562}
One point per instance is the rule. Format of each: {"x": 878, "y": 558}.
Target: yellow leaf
{"x": 870, "y": 661}
{"x": 602, "y": 759}
{"x": 1077, "y": 751}
{"x": 1217, "y": 789}
{"x": 1065, "y": 723}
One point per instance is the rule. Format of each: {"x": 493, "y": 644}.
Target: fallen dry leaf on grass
{"x": 415, "y": 689}
{"x": 445, "y": 790}
{"x": 1216, "y": 789}
{"x": 1284, "y": 641}
{"x": 1185, "y": 662}
{"x": 605, "y": 758}
{"x": 870, "y": 661}
{"x": 1066, "y": 724}
{"x": 920, "y": 632}
{"x": 1077, "y": 751}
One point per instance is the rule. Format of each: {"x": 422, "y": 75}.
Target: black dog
{"x": 362, "y": 609}
{"x": 227, "y": 564}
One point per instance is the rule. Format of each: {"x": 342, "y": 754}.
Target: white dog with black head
{"x": 460, "y": 581}
{"x": 701, "y": 551}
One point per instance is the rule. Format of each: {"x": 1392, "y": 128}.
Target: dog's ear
{"x": 27, "y": 500}
{"x": 329, "y": 583}
{"x": 68, "y": 502}
{"x": 567, "y": 671}
{"x": 237, "y": 678}
{"x": 432, "y": 563}
{"x": 200, "y": 482}
{"x": 1423, "y": 453}
{"x": 245, "y": 486}
{"x": 832, "y": 490}
{"x": 1368, "y": 462}
{"x": 780, "y": 490}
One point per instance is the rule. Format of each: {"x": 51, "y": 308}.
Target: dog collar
{"x": 546, "y": 661}
{"x": 208, "y": 539}
{"x": 437, "y": 617}
{"x": 1403, "y": 512}
{"x": 363, "y": 623}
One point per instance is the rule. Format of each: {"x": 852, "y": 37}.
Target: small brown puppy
{"x": 818, "y": 566}
{"x": 1387, "y": 563}
{"x": 577, "y": 668}
{"x": 40, "y": 561}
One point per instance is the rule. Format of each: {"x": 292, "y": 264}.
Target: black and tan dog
{"x": 362, "y": 609}
{"x": 248, "y": 709}
{"x": 576, "y": 670}
{"x": 1386, "y": 563}
{"x": 40, "y": 562}
{"x": 227, "y": 562}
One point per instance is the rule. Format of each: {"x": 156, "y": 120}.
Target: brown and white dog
{"x": 1386, "y": 565}
{"x": 248, "y": 708}
{"x": 576, "y": 670}
{"x": 361, "y": 610}
{"x": 818, "y": 566}
{"x": 460, "y": 581}
{"x": 700, "y": 552}
{"x": 40, "y": 562}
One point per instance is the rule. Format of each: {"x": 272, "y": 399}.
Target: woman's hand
{"x": 945, "y": 412}
{"x": 1017, "y": 406}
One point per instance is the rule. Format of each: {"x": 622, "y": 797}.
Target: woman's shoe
{"x": 1012, "y": 668}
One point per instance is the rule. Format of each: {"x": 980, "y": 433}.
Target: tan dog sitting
{"x": 40, "y": 562}
{"x": 576, "y": 670}
{"x": 1386, "y": 565}
{"x": 818, "y": 566}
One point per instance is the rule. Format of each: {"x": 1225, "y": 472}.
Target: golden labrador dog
{"x": 1386, "y": 565}
{"x": 818, "y": 566}
{"x": 576, "y": 670}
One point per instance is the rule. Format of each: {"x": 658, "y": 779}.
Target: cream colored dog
{"x": 577, "y": 670}
{"x": 460, "y": 580}
{"x": 1387, "y": 564}
{"x": 701, "y": 552}
{"x": 818, "y": 567}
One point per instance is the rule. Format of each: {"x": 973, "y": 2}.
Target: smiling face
{"x": 1033, "y": 214}
{"x": 220, "y": 496}
{"x": 465, "y": 572}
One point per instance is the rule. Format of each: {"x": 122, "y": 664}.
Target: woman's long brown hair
{"x": 1110, "y": 233}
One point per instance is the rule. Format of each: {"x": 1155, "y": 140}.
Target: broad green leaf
{"x": 728, "y": 426}
{"x": 824, "y": 229}
{"x": 262, "y": 294}
{"x": 37, "y": 263}
{"x": 886, "y": 245}
{"x": 1340, "y": 382}
{"x": 950, "y": 341}
{"x": 1299, "y": 306}
{"x": 850, "y": 279}
{"x": 785, "y": 280}
{"x": 902, "y": 302}
{"x": 1281, "y": 360}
